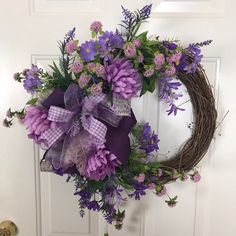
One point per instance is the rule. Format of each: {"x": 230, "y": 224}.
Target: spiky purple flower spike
{"x": 124, "y": 79}
{"x": 145, "y": 12}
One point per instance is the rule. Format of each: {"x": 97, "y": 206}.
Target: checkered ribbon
{"x": 66, "y": 123}
{"x": 96, "y": 128}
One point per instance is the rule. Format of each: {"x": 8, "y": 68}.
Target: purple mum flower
{"x": 125, "y": 80}
{"x": 36, "y": 122}
{"x": 103, "y": 163}
{"x": 88, "y": 50}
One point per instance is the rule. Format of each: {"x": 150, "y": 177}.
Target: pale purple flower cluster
{"x": 96, "y": 89}
{"x": 77, "y": 67}
{"x": 96, "y": 26}
{"x": 71, "y": 46}
{"x": 31, "y": 80}
{"x": 196, "y": 177}
{"x": 130, "y": 50}
{"x": 124, "y": 78}
{"x": 36, "y": 122}
{"x": 84, "y": 80}
{"x": 103, "y": 163}
{"x": 149, "y": 72}
{"x": 159, "y": 60}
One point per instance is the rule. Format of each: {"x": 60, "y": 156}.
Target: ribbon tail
{"x": 117, "y": 139}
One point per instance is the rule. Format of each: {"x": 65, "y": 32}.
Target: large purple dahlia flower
{"x": 101, "y": 164}
{"x": 36, "y": 122}
{"x": 124, "y": 79}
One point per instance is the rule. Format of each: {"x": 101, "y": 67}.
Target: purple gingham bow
{"x": 67, "y": 122}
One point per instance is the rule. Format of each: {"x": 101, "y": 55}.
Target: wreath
{"x": 81, "y": 115}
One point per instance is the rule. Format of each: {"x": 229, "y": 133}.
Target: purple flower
{"x": 93, "y": 205}
{"x": 127, "y": 14}
{"x": 170, "y": 71}
{"x": 96, "y": 89}
{"x": 71, "y": 46}
{"x": 130, "y": 50}
{"x": 77, "y": 66}
{"x": 169, "y": 45}
{"x": 196, "y": 177}
{"x": 175, "y": 58}
{"x": 149, "y": 140}
{"x": 99, "y": 70}
{"x": 70, "y": 35}
{"x": 140, "y": 178}
{"x": 36, "y": 122}
{"x": 173, "y": 109}
{"x": 88, "y": 50}
{"x": 139, "y": 190}
{"x": 189, "y": 64}
{"x": 103, "y": 163}
{"x": 16, "y": 76}
{"x": 145, "y": 12}
{"x": 124, "y": 79}
{"x": 113, "y": 196}
{"x": 137, "y": 43}
{"x": 108, "y": 41}
{"x": 166, "y": 87}
{"x": 159, "y": 60}
{"x": 83, "y": 80}
{"x": 96, "y": 26}
{"x": 32, "y": 83}
{"x": 161, "y": 190}
{"x": 149, "y": 72}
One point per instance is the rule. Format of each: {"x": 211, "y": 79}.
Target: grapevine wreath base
{"x": 81, "y": 115}
{"x": 205, "y": 115}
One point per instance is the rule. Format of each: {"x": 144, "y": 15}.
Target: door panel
{"x": 43, "y": 204}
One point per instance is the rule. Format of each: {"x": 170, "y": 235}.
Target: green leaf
{"x": 143, "y": 36}
{"x": 32, "y": 101}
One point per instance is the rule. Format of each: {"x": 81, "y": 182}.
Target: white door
{"x": 43, "y": 204}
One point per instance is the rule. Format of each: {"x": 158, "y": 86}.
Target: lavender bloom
{"x": 167, "y": 94}
{"x": 149, "y": 140}
{"x": 139, "y": 190}
{"x": 204, "y": 43}
{"x": 169, "y": 45}
{"x": 166, "y": 88}
{"x": 145, "y": 12}
{"x": 125, "y": 80}
{"x": 127, "y": 14}
{"x": 113, "y": 196}
{"x": 70, "y": 35}
{"x": 93, "y": 205}
{"x": 196, "y": 57}
{"x": 36, "y": 122}
{"x": 103, "y": 163}
{"x": 174, "y": 109}
{"x": 88, "y": 50}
